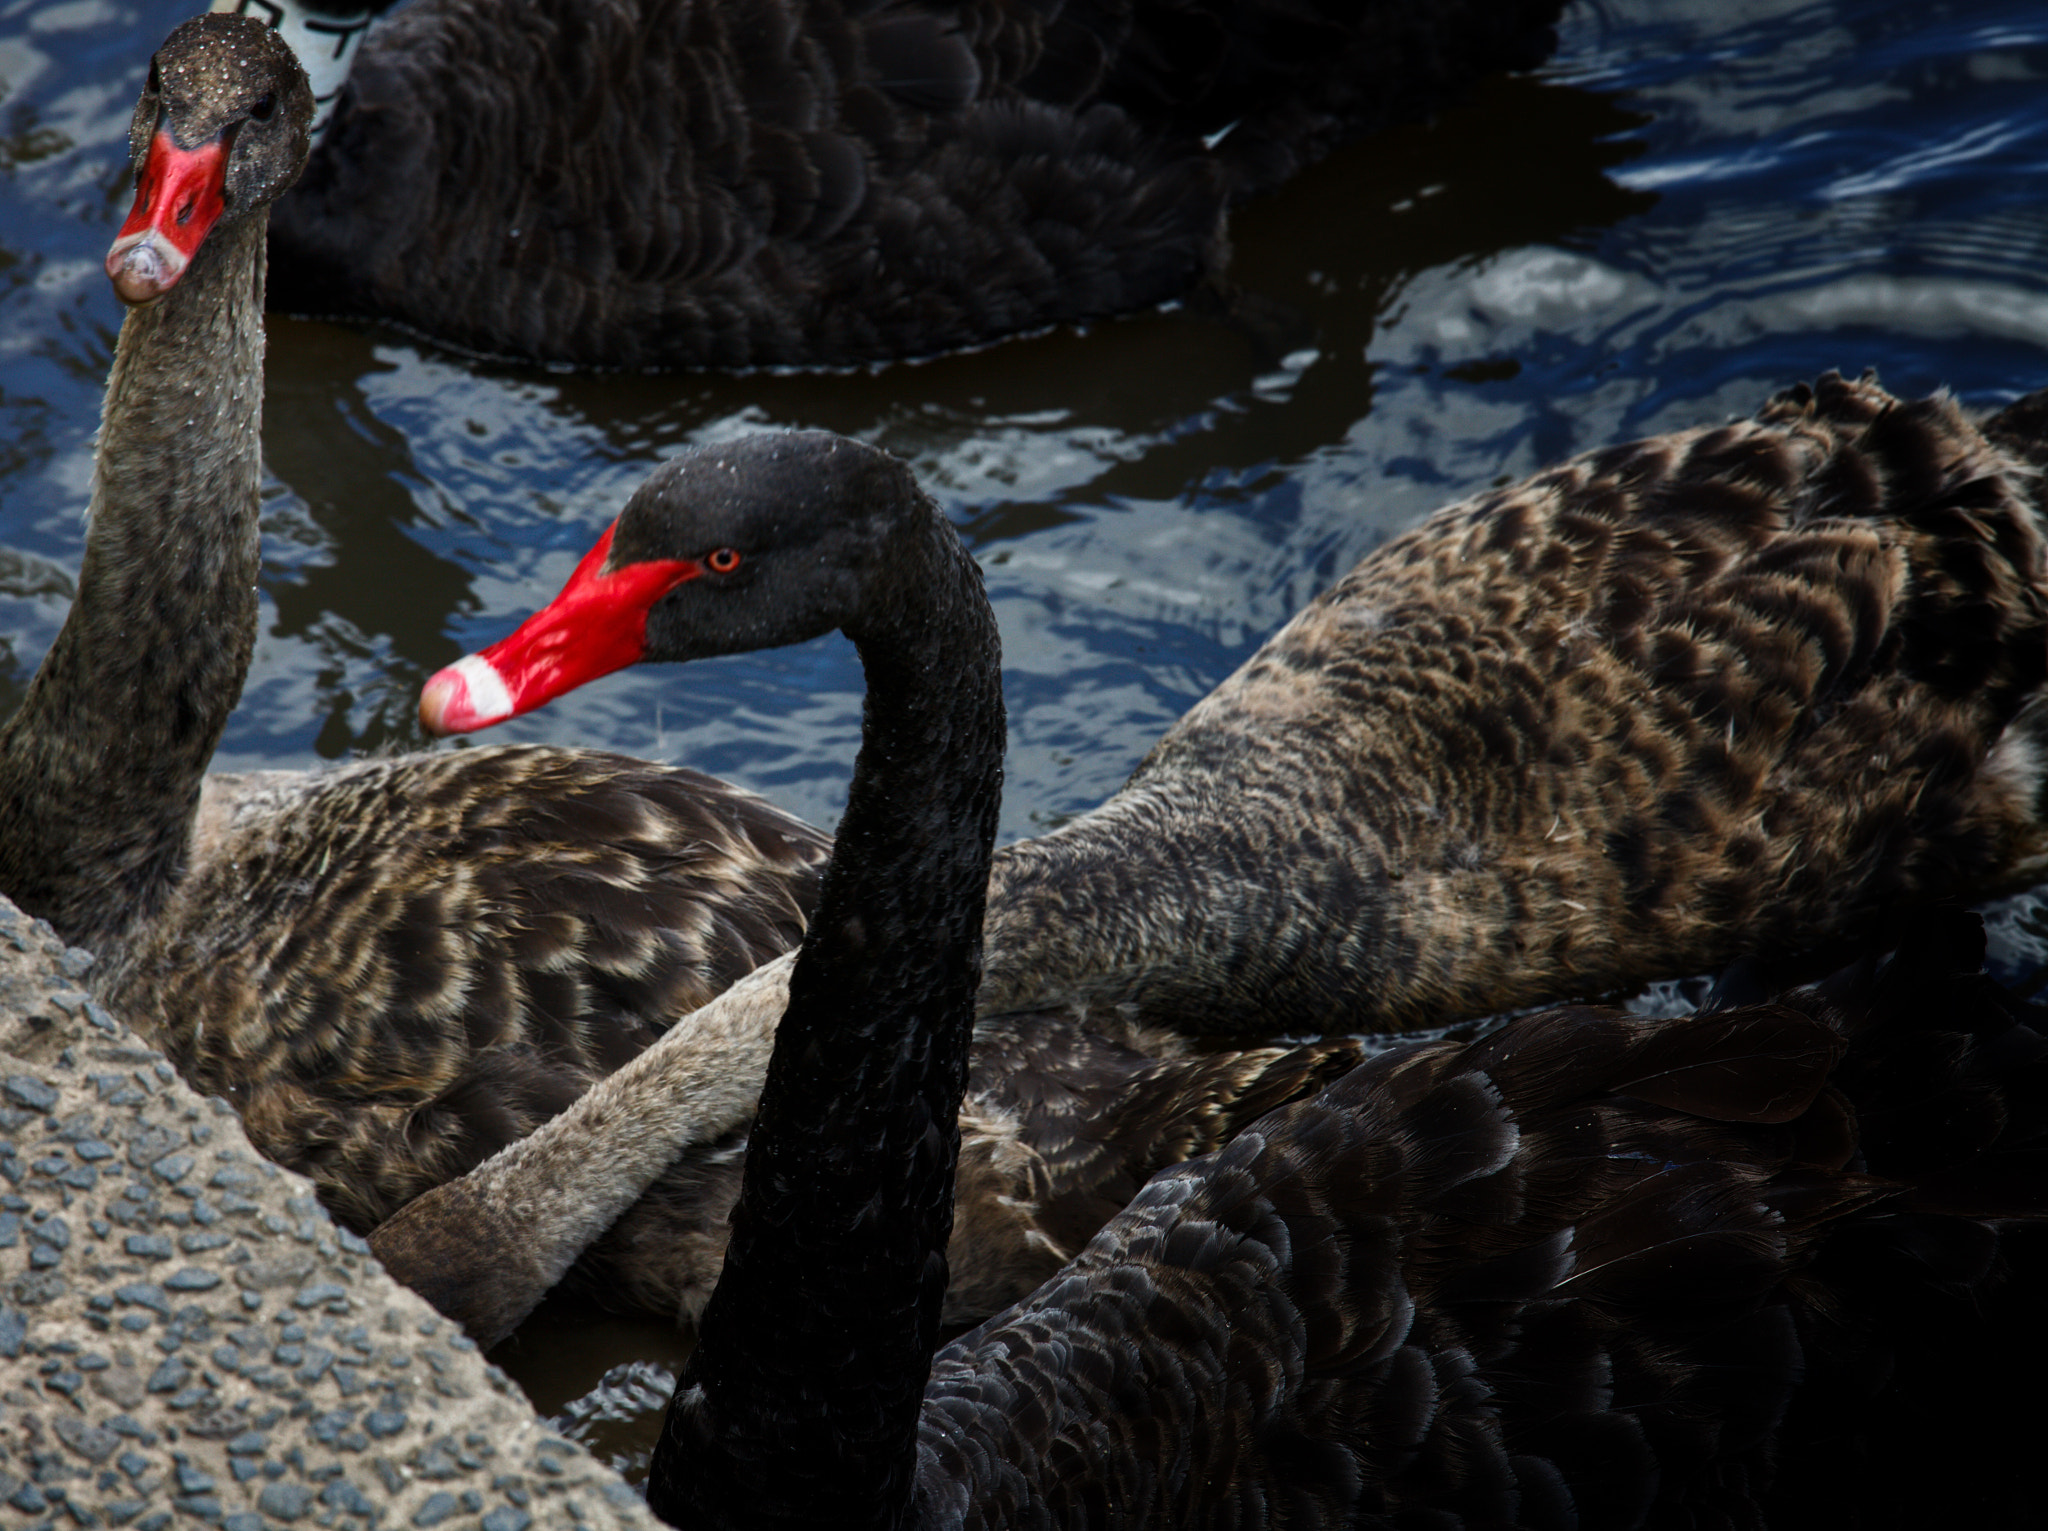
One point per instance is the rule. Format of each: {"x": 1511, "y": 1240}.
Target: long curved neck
{"x": 1106, "y": 910}
{"x": 1221, "y": 883}
{"x": 100, "y": 768}
{"x": 800, "y": 1404}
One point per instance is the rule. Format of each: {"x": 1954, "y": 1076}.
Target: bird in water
{"x": 279, "y": 936}
{"x": 395, "y": 968}
{"x": 630, "y": 183}
{"x": 1591, "y": 1270}
{"x": 1737, "y": 691}
{"x": 1731, "y": 690}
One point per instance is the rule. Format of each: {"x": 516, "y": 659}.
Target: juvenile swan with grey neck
{"x": 1593, "y": 1270}
{"x": 396, "y": 967}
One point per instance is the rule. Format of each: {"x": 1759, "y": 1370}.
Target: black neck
{"x": 800, "y": 1404}
{"x": 101, "y": 767}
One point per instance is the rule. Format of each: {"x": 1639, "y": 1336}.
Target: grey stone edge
{"x": 187, "y": 1339}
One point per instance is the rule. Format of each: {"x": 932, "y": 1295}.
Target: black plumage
{"x": 769, "y": 182}
{"x": 1592, "y": 1270}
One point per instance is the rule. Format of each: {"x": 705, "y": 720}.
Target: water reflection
{"x": 1137, "y": 491}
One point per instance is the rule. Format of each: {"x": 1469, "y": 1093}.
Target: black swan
{"x": 632, "y": 183}
{"x": 1724, "y": 691}
{"x": 397, "y": 967}
{"x": 1736, "y": 690}
{"x": 1590, "y": 1271}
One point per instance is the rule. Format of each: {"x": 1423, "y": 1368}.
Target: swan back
{"x": 1591, "y": 1270}
{"x": 810, "y": 182}
{"x": 1730, "y": 689}
{"x": 1733, "y": 689}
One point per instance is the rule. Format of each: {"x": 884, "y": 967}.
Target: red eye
{"x": 724, "y": 561}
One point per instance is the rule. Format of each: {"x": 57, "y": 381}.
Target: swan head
{"x": 221, "y": 130}
{"x": 746, "y": 545}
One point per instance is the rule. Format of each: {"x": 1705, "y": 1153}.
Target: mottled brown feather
{"x": 1729, "y": 692}
{"x": 396, "y": 968}
{"x": 1732, "y": 690}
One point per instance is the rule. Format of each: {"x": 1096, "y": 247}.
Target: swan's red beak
{"x": 598, "y": 624}
{"x": 178, "y": 199}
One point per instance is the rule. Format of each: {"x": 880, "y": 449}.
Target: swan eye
{"x": 266, "y": 104}
{"x": 724, "y": 561}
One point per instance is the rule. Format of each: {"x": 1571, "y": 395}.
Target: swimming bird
{"x": 1590, "y": 1270}
{"x": 629, "y": 183}
{"x": 397, "y": 967}
{"x": 392, "y": 967}
{"x": 1730, "y": 690}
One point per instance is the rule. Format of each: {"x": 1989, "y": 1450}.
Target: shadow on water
{"x": 603, "y": 1382}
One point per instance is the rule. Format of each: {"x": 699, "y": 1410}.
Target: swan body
{"x": 392, "y": 968}
{"x": 1755, "y": 1268}
{"x": 1735, "y": 689}
{"x": 1590, "y": 1270}
{"x": 396, "y": 967}
{"x": 808, "y": 182}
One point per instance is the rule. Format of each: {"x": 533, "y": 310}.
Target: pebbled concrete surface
{"x": 186, "y": 1338}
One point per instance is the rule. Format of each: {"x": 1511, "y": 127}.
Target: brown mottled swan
{"x": 392, "y": 968}
{"x": 1726, "y": 691}
{"x": 1590, "y": 1271}
{"x": 1736, "y": 690}
{"x": 1715, "y": 694}
{"x": 632, "y": 183}
{"x": 397, "y": 967}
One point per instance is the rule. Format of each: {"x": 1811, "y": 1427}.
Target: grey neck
{"x": 100, "y": 769}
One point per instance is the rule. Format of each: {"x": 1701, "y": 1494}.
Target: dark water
{"x": 1697, "y": 203}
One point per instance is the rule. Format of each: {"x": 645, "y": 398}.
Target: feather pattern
{"x": 1732, "y": 690}
{"x": 1729, "y": 693}
{"x": 1469, "y": 1286}
{"x": 398, "y": 967}
{"x": 644, "y": 183}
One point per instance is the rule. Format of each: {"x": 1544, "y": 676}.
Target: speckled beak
{"x": 178, "y": 199}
